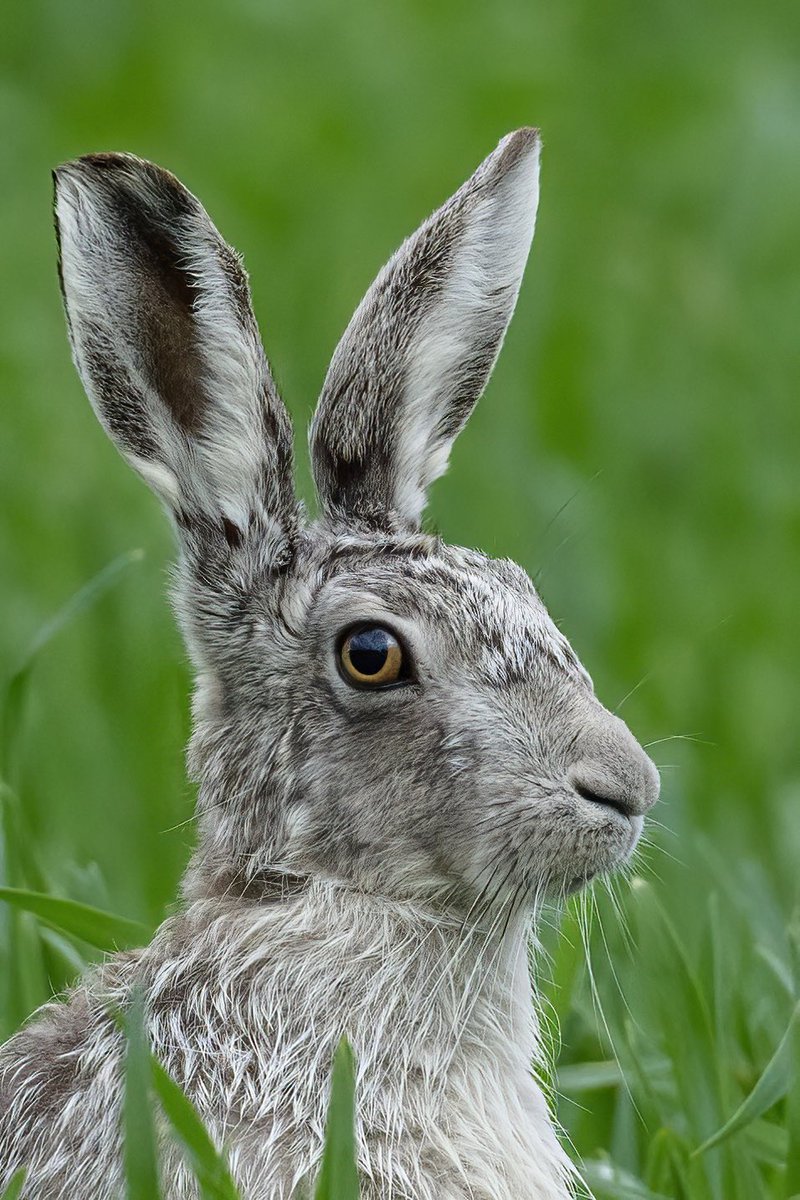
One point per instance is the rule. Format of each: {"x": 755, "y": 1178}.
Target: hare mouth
{"x": 621, "y": 833}
{"x": 632, "y": 824}
{"x": 619, "y": 819}
{"x": 605, "y": 867}
{"x": 617, "y": 815}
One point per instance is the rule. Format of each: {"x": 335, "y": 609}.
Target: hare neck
{"x": 419, "y": 964}
{"x": 441, "y": 1018}
{"x": 388, "y": 971}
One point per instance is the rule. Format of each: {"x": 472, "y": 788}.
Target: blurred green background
{"x": 637, "y": 450}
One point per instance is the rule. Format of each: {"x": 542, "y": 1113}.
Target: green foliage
{"x": 209, "y": 1165}
{"x": 338, "y": 1176}
{"x": 40, "y": 958}
{"x": 14, "y": 1189}
{"x": 140, "y": 1143}
{"x": 637, "y": 451}
{"x": 771, "y": 1087}
{"x": 145, "y": 1082}
{"x": 13, "y": 707}
{"x": 103, "y": 930}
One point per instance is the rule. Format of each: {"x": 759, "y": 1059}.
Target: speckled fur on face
{"x": 368, "y": 861}
{"x": 410, "y": 792}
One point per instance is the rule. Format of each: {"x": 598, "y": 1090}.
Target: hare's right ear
{"x": 166, "y": 343}
{"x": 417, "y": 354}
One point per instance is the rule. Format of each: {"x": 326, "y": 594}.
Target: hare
{"x": 399, "y": 755}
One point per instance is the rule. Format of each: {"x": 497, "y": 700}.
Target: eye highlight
{"x": 371, "y": 656}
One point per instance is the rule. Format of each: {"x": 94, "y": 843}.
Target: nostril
{"x": 587, "y": 793}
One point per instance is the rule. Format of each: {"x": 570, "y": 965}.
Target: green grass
{"x": 637, "y": 451}
{"x": 338, "y": 1175}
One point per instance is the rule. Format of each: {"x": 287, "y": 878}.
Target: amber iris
{"x": 372, "y": 656}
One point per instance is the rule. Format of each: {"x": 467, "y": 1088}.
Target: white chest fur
{"x": 441, "y": 1021}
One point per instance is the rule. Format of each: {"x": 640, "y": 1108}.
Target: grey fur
{"x": 368, "y": 863}
{"x": 418, "y": 352}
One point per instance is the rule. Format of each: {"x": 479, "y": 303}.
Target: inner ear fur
{"x": 166, "y": 342}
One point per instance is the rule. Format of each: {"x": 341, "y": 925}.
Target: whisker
{"x": 679, "y": 737}
{"x": 633, "y": 690}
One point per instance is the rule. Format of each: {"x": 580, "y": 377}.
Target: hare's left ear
{"x": 416, "y": 356}
{"x": 166, "y": 343}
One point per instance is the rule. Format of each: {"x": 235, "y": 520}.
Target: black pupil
{"x": 369, "y": 649}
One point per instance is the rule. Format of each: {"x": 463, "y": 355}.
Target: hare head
{"x": 372, "y": 705}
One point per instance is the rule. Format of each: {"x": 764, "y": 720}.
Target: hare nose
{"x": 612, "y": 769}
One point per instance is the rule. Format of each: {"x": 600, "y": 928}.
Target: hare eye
{"x": 372, "y": 657}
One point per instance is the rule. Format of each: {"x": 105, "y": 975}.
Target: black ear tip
{"x": 519, "y": 144}
{"x": 111, "y": 162}
{"x": 526, "y": 134}
{"x": 116, "y": 178}
{"x": 91, "y": 167}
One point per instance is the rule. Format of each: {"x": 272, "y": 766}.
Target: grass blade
{"x": 208, "y": 1164}
{"x": 20, "y": 867}
{"x": 140, "y": 1151}
{"x": 589, "y": 1077}
{"x": 13, "y": 703}
{"x": 338, "y": 1177}
{"x": 104, "y": 930}
{"x": 15, "y": 1184}
{"x": 566, "y": 958}
{"x": 87, "y": 595}
{"x": 772, "y": 1086}
{"x": 610, "y": 1182}
{"x": 792, "y": 1180}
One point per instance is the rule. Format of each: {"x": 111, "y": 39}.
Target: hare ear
{"x": 416, "y": 356}
{"x": 166, "y": 343}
